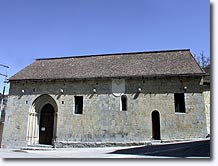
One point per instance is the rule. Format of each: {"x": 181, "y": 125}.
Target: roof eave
{"x": 114, "y": 77}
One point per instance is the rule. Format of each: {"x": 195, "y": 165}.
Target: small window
{"x": 123, "y": 103}
{"x": 78, "y": 104}
{"x": 179, "y": 99}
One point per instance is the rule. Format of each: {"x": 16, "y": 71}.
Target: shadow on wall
{"x": 90, "y": 87}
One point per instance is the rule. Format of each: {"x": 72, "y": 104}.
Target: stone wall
{"x": 1, "y": 131}
{"x": 207, "y": 108}
{"x": 102, "y": 119}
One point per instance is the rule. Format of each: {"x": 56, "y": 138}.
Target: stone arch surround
{"x": 34, "y": 118}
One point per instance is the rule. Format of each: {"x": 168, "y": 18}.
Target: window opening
{"x": 179, "y": 99}
{"x": 124, "y": 103}
{"x": 78, "y": 104}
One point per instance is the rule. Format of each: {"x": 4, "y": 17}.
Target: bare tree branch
{"x": 202, "y": 59}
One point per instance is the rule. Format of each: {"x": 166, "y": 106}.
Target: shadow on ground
{"x": 183, "y": 150}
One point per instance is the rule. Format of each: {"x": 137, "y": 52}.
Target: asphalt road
{"x": 199, "y": 149}
{"x": 188, "y": 149}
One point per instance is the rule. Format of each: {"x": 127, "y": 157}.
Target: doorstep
{"x": 38, "y": 147}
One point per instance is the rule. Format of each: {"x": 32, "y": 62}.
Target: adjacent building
{"x": 206, "y": 85}
{"x": 3, "y": 105}
{"x": 110, "y": 99}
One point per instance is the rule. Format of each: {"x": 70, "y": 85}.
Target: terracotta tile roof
{"x": 139, "y": 64}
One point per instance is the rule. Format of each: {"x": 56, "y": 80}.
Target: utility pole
{"x": 3, "y": 93}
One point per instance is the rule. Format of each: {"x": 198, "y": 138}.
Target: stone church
{"x": 109, "y": 99}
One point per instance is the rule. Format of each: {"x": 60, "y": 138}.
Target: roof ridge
{"x": 109, "y": 54}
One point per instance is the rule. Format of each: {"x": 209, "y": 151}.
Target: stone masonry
{"x": 102, "y": 120}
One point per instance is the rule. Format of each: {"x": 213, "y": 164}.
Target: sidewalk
{"x": 68, "y": 153}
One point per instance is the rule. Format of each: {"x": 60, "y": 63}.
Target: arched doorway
{"x": 42, "y": 121}
{"x": 46, "y": 126}
{"x": 155, "y": 125}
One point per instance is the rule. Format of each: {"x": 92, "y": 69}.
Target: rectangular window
{"x": 78, "y": 104}
{"x": 179, "y": 99}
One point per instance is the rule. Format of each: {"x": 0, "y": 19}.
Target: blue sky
{"x": 31, "y": 29}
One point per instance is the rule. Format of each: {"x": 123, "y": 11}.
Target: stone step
{"x": 38, "y": 147}
{"x": 155, "y": 142}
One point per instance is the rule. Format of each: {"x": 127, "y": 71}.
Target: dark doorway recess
{"x": 155, "y": 125}
{"x": 46, "y": 127}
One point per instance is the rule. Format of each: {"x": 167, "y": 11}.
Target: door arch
{"x": 155, "y": 125}
{"x": 44, "y": 105}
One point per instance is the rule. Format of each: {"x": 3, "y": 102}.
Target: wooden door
{"x": 155, "y": 125}
{"x": 46, "y": 126}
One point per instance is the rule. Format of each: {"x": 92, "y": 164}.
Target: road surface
{"x": 199, "y": 149}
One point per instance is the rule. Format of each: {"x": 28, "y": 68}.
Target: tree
{"x": 202, "y": 59}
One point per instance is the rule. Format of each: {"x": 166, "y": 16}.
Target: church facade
{"x": 113, "y": 99}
